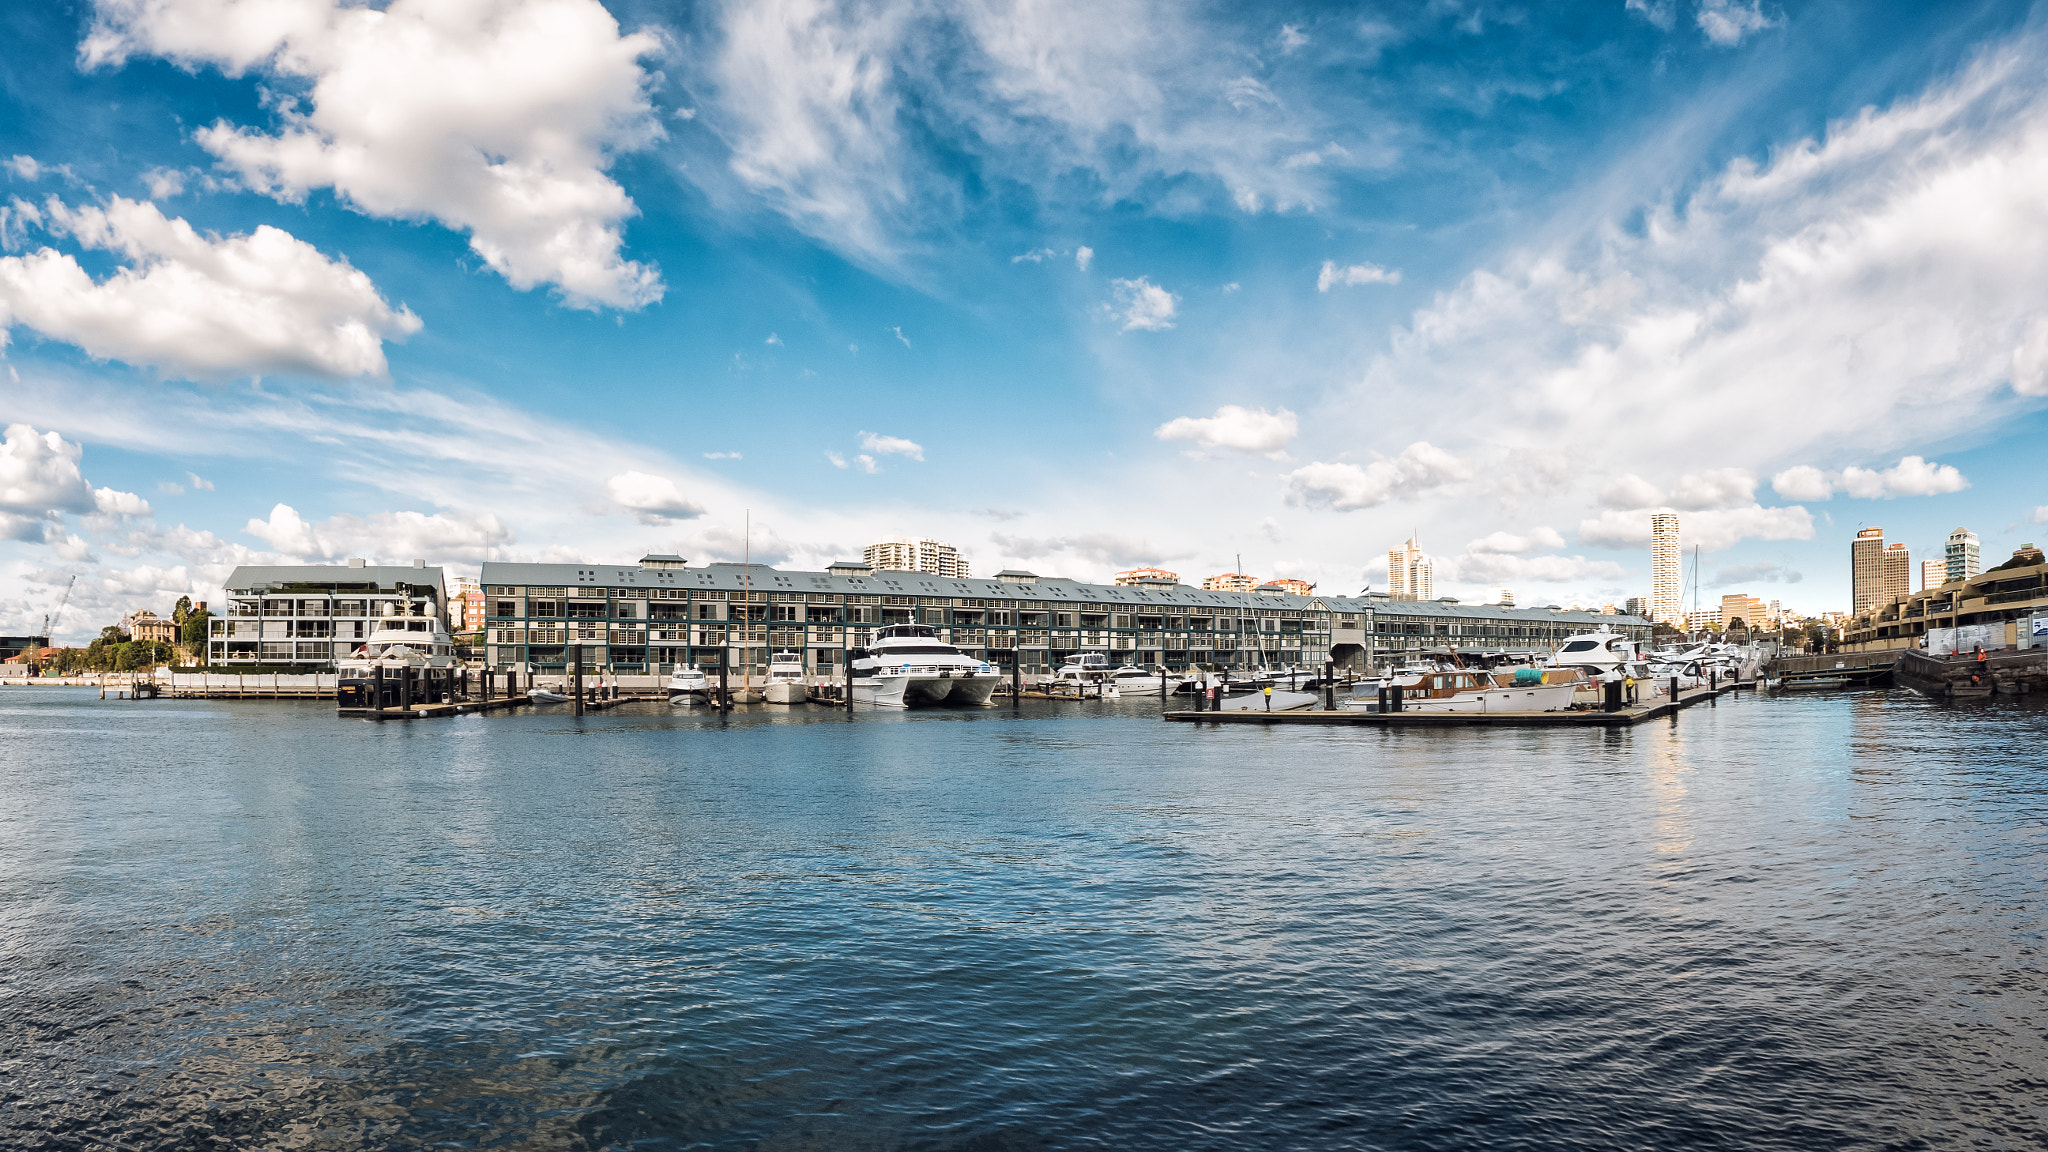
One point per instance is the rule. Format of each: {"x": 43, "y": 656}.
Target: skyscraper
{"x": 1933, "y": 573}
{"x": 1898, "y": 574}
{"x": 902, "y": 554}
{"x": 1667, "y": 595}
{"x": 1866, "y": 569}
{"x": 1409, "y": 573}
{"x": 1964, "y": 563}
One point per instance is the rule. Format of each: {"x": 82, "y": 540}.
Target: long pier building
{"x": 650, "y": 616}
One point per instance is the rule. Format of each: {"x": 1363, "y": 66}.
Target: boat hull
{"x": 1527, "y": 698}
{"x": 786, "y": 692}
{"x": 926, "y": 689}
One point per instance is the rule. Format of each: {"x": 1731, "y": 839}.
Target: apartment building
{"x": 314, "y": 614}
{"x": 903, "y": 554}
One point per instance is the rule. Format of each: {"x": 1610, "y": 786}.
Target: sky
{"x": 1073, "y": 286}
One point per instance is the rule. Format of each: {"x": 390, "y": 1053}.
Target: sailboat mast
{"x": 747, "y": 609}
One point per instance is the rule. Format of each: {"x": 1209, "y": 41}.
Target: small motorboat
{"x": 547, "y": 696}
{"x": 687, "y": 685}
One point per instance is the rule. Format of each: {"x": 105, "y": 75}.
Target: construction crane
{"x": 51, "y": 617}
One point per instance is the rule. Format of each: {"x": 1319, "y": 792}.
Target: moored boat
{"x": 908, "y": 665}
{"x": 786, "y": 679}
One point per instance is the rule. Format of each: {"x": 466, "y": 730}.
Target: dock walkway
{"x": 1413, "y": 719}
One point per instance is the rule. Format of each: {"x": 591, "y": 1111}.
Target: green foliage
{"x": 181, "y": 611}
{"x": 193, "y": 630}
{"x": 119, "y": 656}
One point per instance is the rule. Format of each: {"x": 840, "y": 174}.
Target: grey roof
{"x": 1052, "y": 589}
{"x": 249, "y": 576}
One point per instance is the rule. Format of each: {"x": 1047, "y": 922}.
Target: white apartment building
{"x": 1933, "y": 573}
{"x": 314, "y": 614}
{"x": 1667, "y": 589}
{"x": 1230, "y": 582}
{"x": 1410, "y": 576}
{"x": 1963, "y": 559}
{"x": 903, "y": 554}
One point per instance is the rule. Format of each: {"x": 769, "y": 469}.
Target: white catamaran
{"x": 908, "y": 665}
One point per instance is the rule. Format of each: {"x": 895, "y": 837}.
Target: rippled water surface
{"x": 1804, "y": 923}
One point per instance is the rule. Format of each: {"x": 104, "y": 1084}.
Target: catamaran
{"x": 908, "y": 665}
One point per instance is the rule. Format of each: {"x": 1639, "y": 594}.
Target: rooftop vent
{"x": 663, "y": 560}
{"x": 355, "y": 561}
{"x": 850, "y": 567}
{"x": 1017, "y": 576}
{"x": 419, "y": 563}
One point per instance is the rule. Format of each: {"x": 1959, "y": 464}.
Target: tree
{"x": 181, "y": 611}
{"x": 112, "y": 634}
{"x": 1735, "y": 624}
{"x": 193, "y": 630}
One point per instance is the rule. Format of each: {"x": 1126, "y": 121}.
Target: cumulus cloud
{"x": 1715, "y": 488}
{"x": 1911, "y": 476}
{"x": 200, "y": 306}
{"x": 1351, "y": 275}
{"x": 1103, "y": 549}
{"x": 1727, "y": 22}
{"x": 823, "y": 108}
{"x": 496, "y": 117}
{"x": 1083, "y": 257}
{"x": 40, "y": 482}
{"x": 383, "y": 537}
{"x": 891, "y": 446}
{"x": 653, "y": 499}
{"x": 1141, "y": 304}
{"x": 1484, "y": 567}
{"x": 1894, "y": 259}
{"x": 2040, "y": 515}
{"x": 1510, "y": 544}
{"x": 1233, "y": 427}
{"x": 1421, "y": 467}
{"x": 1631, "y": 491}
{"x": 1712, "y": 530}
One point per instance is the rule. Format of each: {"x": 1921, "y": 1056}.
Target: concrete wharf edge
{"x": 1622, "y": 719}
{"x": 432, "y": 711}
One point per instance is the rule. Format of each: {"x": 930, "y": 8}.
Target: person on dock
{"x": 1269, "y": 697}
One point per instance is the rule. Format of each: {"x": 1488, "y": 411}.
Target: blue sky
{"x": 1074, "y": 286}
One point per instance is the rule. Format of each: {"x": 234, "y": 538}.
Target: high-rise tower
{"x": 1409, "y": 573}
{"x": 1964, "y": 562}
{"x": 1866, "y": 571}
{"x": 1667, "y": 603}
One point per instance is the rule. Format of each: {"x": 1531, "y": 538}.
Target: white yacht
{"x": 786, "y": 679}
{"x": 907, "y": 664}
{"x": 688, "y": 684}
{"x": 404, "y": 641}
{"x": 1083, "y": 668}
{"x": 1133, "y": 680}
{"x": 1601, "y": 653}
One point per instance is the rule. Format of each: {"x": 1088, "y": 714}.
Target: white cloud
{"x": 1631, "y": 491}
{"x": 1420, "y": 468}
{"x": 891, "y": 446}
{"x": 1713, "y": 530}
{"x": 496, "y": 117}
{"x": 837, "y": 460}
{"x": 2040, "y": 515}
{"x": 722, "y": 456}
{"x": 1083, "y": 257}
{"x": 1726, "y": 22}
{"x": 1035, "y": 256}
{"x": 1715, "y": 488}
{"x": 773, "y": 339}
{"x": 1894, "y": 260}
{"x": 822, "y": 108}
{"x": 200, "y": 306}
{"x": 1658, "y": 12}
{"x": 22, "y": 167}
{"x": 1141, "y": 304}
{"x": 111, "y": 502}
{"x": 39, "y": 475}
{"x": 1507, "y": 543}
{"x": 1353, "y": 274}
{"x": 383, "y": 537}
{"x": 1292, "y": 38}
{"x": 1104, "y": 549}
{"x": 1505, "y": 568}
{"x": 164, "y": 183}
{"x": 900, "y": 336}
{"x": 654, "y": 499}
{"x": 1242, "y": 429}
{"x": 1911, "y": 476}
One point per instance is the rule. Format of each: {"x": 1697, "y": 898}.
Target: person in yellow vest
{"x": 1629, "y": 686}
{"x": 1269, "y": 697}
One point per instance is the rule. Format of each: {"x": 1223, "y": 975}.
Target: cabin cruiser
{"x": 1522, "y": 690}
{"x": 406, "y": 649}
{"x": 1133, "y": 680}
{"x": 1083, "y": 668}
{"x": 1599, "y": 653}
{"x": 786, "y": 679}
{"x": 688, "y": 684}
{"x": 907, "y": 664}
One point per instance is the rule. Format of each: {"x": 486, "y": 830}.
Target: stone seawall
{"x": 1951, "y": 677}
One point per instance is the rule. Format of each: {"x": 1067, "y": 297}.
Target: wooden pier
{"x": 1409, "y": 718}
{"x": 435, "y": 711}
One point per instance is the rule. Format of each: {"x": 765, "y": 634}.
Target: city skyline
{"x": 1304, "y": 282}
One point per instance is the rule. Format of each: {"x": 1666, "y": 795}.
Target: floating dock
{"x": 1408, "y": 718}
{"x": 435, "y": 711}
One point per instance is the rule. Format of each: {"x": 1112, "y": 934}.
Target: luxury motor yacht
{"x": 786, "y": 679}
{"x": 1083, "y": 668}
{"x": 688, "y": 684}
{"x": 1131, "y": 680}
{"x": 1471, "y": 691}
{"x": 1599, "y": 653}
{"x": 908, "y": 665}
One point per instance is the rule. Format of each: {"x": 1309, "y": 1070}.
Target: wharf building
{"x": 649, "y": 617}
{"x": 315, "y": 614}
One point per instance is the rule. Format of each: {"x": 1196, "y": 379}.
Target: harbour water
{"x": 1769, "y": 923}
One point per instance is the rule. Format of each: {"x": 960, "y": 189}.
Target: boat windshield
{"x": 900, "y": 631}
{"x": 915, "y": 650}
{"x": 1580, "y": 646}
